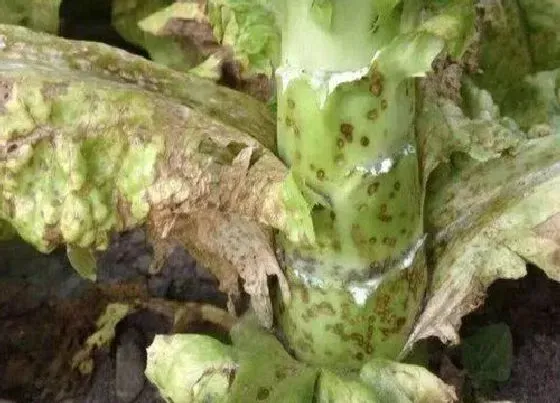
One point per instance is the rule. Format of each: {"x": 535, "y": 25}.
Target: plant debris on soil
{"x": 47, "y": 312}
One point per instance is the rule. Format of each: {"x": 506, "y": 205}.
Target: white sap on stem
{"x": 363, "y": 290}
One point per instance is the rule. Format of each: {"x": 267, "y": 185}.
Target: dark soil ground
{"x": 47, "y": 312}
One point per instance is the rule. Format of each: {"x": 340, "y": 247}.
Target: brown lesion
{"x": 6, "y": 91}
{"x": 347, "y": 131}
{"x": 376, "y": 83}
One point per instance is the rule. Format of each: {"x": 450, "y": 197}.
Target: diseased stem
{"x": 348, "y": 135}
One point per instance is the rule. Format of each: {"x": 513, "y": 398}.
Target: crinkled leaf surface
{"x": 444, "y": 128}
{"x": 165, "y": 50}
{"x": 190, "y": 368}
{"x": 249, "y": 29}
{"x": 487, "y": 354}
{"x": 82, "y": 156}
{"x": 40, "y": 15}
{"x": 20, "y": 45}
{"x": 488, "y": 219}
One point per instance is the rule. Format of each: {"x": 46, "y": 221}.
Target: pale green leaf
{"x": 266, "y": 370}
{"x": 453, "y": 21}
{"x": 409, "y": 55}
{"x": 249, "y": 29}
{"x": 333, "y": 387}
{"x": 405, "y": 383}
{"x": 83, "y": 260}
{"x": 188, "y": 368}
{"x": 39, "y": 15}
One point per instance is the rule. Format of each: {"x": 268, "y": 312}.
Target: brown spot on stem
{"x": 372, "y": 240}
{"x": 325, "y": 308}
{"x": 372, "y": 188}
{"x": 6, "y": 88}
{"x": 291, "y": 103}
{"x": 397, "y": 186}
{"x": 339, "y": 143}
{"x": 320, "y": 174}
{"x": 347, "y": 131}
{"x": 289, "y": 121}
{"x": 376, "y": 83}
{"x": 364, "y": 141}
{"x": 372, "y": 114}
{"x": 262, "y": 393}
{"x": 384, "y": 104}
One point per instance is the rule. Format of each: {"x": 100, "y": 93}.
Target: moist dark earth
{"x": 47, "y": 312}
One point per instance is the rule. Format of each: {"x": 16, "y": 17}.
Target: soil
{"x": 47, "y": 312}
{"x": 531, "y": 308}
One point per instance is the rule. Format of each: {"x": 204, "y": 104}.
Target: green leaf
{"x": 477, "y": 130}
{"x": 266, "y": 370}
{"x": 334, "y": 387}
{"x": 83, "y": 261}
{"x": 543, "y": 32}
{"x": 405, "y": 383}
{"x": 249, "y": 29}
{"x": 126, "y": 18}
{"x": 488, "y": 354}
{"x": 409, "y": 55}
{"x": 196, "y": 368}
{"x": 188, "y": 368}
{"x": 453, "y": 21}
{"x": 298, "y": 211}
{"x": 39, "y": 15}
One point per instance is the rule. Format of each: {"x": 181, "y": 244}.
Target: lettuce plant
{"x": 369, "y": 178}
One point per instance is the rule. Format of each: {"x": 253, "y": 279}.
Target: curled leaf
{"x": 190, "y": 368}
{"x": 488, "y": 220}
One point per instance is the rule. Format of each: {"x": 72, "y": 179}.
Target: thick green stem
{"x": 346, "y": 129}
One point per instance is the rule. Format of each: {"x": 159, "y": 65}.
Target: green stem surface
{"x": 346, "y": 129}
